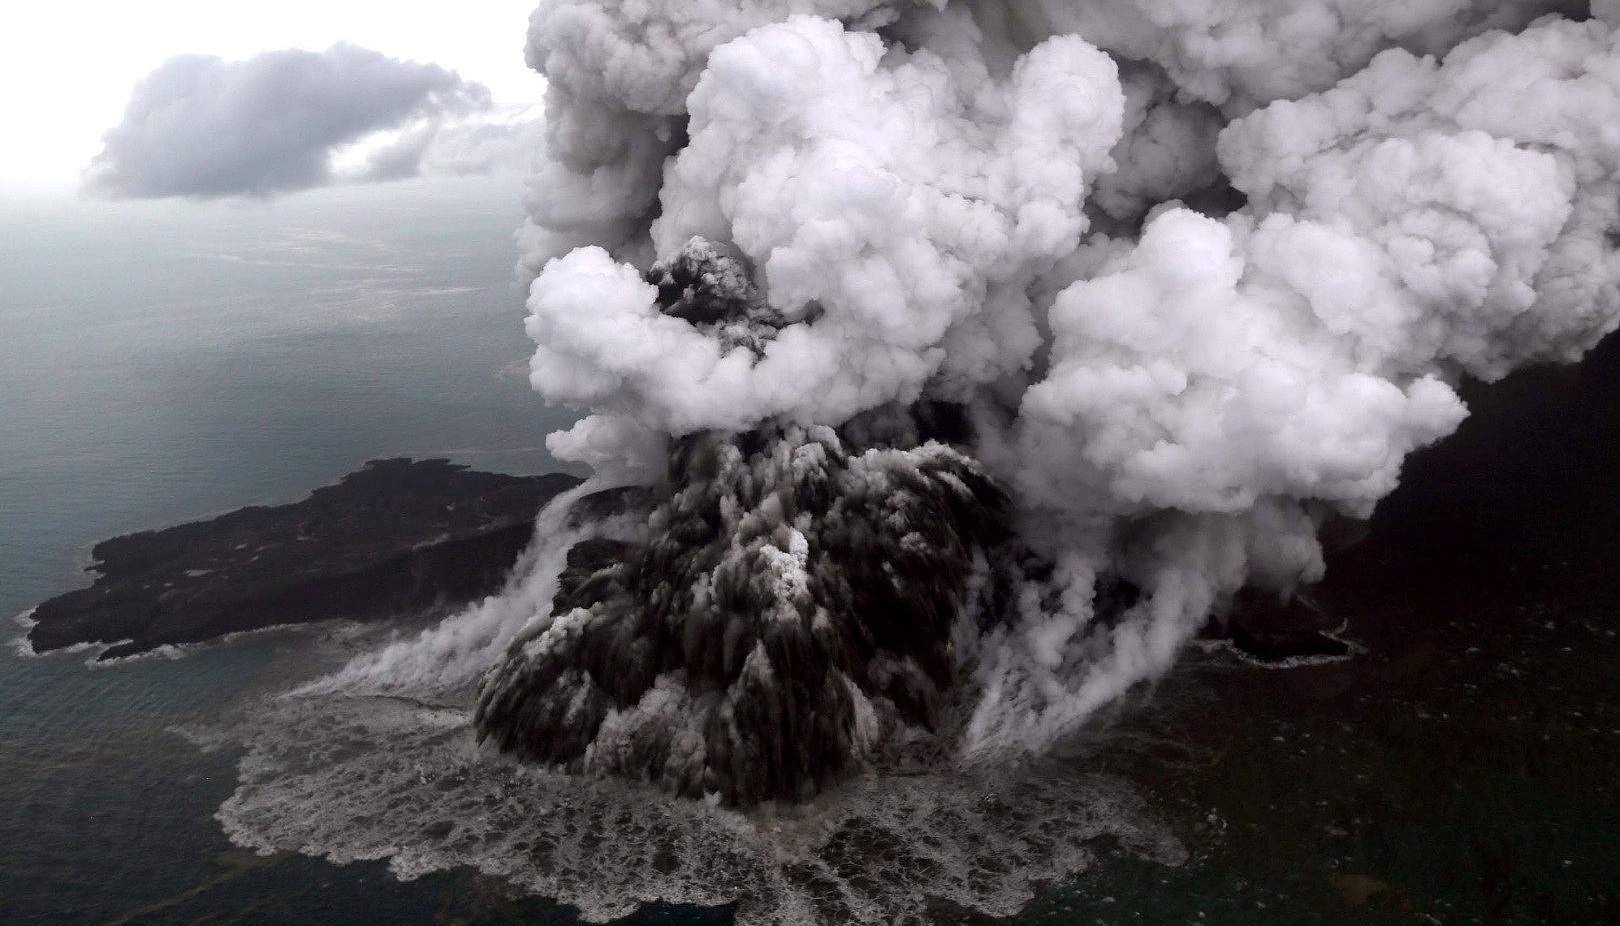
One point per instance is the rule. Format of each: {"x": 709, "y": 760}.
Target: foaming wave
{"x": 23, "y": 646}
{"x": 364, "y": 777}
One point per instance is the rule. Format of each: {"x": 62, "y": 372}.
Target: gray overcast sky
{"x": 67, "y": 68}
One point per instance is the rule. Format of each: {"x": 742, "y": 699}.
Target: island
{"x": 1528, "y": 478}
{"x": 396, "y": 537}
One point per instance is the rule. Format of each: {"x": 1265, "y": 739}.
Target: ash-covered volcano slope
{"x": 789, "y": 611}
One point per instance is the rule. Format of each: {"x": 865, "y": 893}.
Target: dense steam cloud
{"x": 205, "y": 127}
{"x": 974, "y": 356}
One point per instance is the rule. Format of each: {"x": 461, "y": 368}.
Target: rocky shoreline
{"x": 395, "y": 537}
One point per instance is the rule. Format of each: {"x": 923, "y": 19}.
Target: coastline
{"x": 395, "y": 537}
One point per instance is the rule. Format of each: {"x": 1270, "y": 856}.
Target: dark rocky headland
{"x": 395, "y": 537}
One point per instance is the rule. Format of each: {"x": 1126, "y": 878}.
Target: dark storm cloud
{"x": 203, "y": 126}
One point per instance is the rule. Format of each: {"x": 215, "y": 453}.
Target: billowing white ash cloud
{"x": 1240, "y": 54}
{"x": 1187, "y": 280}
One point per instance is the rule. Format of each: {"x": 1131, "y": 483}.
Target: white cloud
{"x": 66, "y": 69}
{"x": 290, "y": 120}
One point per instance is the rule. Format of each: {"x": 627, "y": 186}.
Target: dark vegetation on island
{"x": 396, "y": 537}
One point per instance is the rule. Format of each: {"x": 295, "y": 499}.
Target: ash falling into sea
{"x": 948, "y": 367}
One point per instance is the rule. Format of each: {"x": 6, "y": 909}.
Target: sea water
{"x": 165, "y": 362}
{"x": 162, "y": 362}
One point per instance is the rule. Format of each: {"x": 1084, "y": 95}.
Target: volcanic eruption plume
{"x": 971, "y": 356}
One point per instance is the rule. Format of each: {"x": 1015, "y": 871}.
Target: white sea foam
{"x": 173, "y": 651}
{"x": 21, "y": 645}
{"x": 352, "y": 777}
